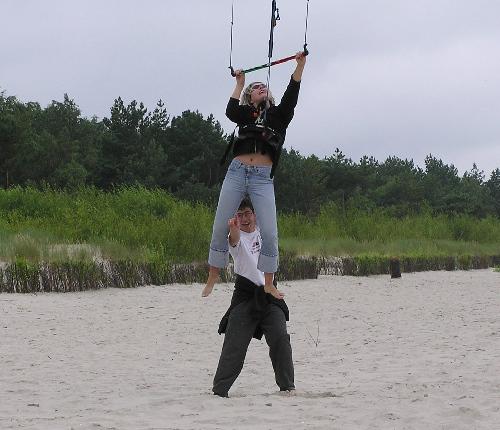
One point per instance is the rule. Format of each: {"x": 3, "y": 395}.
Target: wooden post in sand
{"x": 394, "y": 267}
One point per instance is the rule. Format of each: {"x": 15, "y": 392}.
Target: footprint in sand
{"x": 307, "y": 394}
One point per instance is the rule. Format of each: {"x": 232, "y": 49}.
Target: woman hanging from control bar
{"x": 256, "y": 150}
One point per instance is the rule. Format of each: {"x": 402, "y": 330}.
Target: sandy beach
{"x": 421, "y": 352}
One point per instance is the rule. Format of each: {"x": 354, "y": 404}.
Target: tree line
{"x": 57, "y": 147}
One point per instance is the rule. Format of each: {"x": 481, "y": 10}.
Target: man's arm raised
{"x": 234, "y": 231}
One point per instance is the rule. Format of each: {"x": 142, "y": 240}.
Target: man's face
{"x": 246, "y": 217}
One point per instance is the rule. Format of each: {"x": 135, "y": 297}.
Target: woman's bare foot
{"x": 271, "y": 289}
{"x": 213, "y": 275}
{"x": 207, "y": 290}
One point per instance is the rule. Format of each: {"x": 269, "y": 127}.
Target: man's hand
{"x": 234, "y": 231}
{"x": 234, "y": 225}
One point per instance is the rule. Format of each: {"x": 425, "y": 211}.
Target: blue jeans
{"x": 254, "y": 181}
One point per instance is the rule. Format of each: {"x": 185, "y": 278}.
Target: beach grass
{"x": 403, "y": 247}
{"x": 144, "y": 234}
{"x": 149, "y": 225}
{"x": 128, "y": 223}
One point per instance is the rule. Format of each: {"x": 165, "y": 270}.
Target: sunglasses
{"x": 258, "y": 87}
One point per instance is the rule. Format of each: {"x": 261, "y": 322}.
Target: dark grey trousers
{"x": 239, "y": 332}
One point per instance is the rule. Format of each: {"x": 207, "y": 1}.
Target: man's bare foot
{"x": 271, "y": 289}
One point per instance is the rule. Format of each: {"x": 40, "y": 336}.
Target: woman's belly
{"x": 255, "y": 159}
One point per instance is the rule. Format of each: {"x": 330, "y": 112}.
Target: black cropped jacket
{"x": 277, "y": 119}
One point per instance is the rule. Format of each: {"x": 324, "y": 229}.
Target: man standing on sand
{"x": 252, "y": 312}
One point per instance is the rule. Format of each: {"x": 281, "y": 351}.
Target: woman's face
{"x": 258, "y": 93}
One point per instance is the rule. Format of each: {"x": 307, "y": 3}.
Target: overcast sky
{"x": 384, "y": 77}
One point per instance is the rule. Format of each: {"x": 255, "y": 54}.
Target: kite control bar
{"x": 274, "y": 63}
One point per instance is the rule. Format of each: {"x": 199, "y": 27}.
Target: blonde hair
{"x": 246, "y": 96}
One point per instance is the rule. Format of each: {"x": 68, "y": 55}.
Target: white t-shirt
{"x": 246, "y": 255}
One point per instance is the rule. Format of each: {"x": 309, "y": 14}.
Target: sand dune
{"x": 422, "y": 352}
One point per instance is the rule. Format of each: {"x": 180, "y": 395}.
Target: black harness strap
{"x": 228, "y": 148}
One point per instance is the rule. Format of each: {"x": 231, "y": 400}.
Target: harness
{"x": 254, "y": 138}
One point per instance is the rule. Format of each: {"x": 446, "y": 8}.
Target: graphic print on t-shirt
{"x": 255, "y": 247}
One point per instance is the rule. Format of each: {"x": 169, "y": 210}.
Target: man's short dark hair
{"x": 246, "y": 203}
